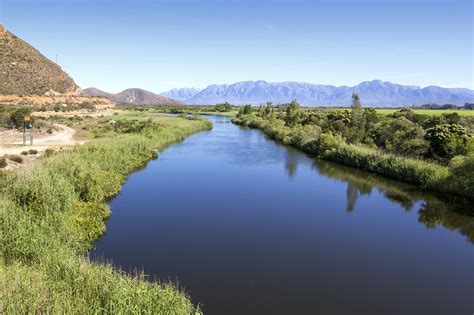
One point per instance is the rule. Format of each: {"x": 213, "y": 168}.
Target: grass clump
{"x": 52, "y": 210}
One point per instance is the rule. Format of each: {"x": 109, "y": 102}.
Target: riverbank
{"x": 455, "y": 179}
{"x": 51, "y": 212}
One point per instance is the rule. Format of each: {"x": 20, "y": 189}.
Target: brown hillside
{"x": 25, "y": 71}
{"x": 134, "y": 97}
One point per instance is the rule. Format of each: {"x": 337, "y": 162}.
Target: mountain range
{"x": 25, "y": 71}
{"x": 181, "y": 94}
{"x": 133, "y": 97}
{"x": 372, "y": 93}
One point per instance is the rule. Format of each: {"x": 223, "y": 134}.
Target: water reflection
{"x": 453, "y": 213}
{"x": 291, "y": 164}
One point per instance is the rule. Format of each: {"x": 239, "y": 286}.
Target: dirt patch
{"x": 50, "y": 100}
{"x": 12, "y": 140}
{"x": 101, "y": 110}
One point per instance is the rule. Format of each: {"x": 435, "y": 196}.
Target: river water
{"x": 247, "y": 226}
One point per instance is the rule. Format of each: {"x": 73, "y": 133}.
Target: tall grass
{"x": 456, "y": 179}
{"x": 50, "y": 213}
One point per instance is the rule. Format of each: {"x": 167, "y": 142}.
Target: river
{"x": 248, "y": 226}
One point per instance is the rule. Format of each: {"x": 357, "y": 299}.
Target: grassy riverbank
{"x": 319, "y": 137}
{"x": 51, "y": 212}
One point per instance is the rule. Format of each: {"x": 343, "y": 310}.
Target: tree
{"x": 408, "y": 113}
{"x": 401, "y": 136}
{"x": 268, "y": 109}
{"x": 223, "y": 107}
{"x": 245, "y": 110}
{"x": 452, "y": 118}
{"x": 356, "y": 132}
{"x": 356, "y": 110}
{"x": 447, "y": 141}
{"x": 292, "y": 113}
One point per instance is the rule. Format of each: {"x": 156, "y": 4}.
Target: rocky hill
{"x": 133, "y": 97}
{"x": 25, "y": 71}
{"x": 372, "y": 93}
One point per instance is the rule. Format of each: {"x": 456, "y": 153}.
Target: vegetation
{"x": 52, "y": 210}
{"x": 3, "y": 162}
{"x": 420, "y": 149}
{"x": 16, "y": 117}
{"x": 15, "y": 158}
{"x": 430, "y": 112}
{"x": 223, "y": 109}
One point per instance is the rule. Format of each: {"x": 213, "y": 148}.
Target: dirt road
{"x": 11, "y": 141}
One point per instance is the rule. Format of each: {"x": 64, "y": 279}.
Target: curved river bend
{"x": 248, "y": 226}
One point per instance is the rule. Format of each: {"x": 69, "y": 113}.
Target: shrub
{"x": 15, "y": 158}
{"x": 3, "y": 162}
{"x": 16, "y": 117}
{"x": 461, "y": 175}
{"x": 447, "y": 141}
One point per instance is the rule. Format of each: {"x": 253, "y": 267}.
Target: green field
{"x": 432, "y": 112}
{"x": 389, "y": 111}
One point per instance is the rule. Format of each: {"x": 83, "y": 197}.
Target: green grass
{"x": 226, "y": 114}
{"x": 431, "y": 112}
{"x": 52, "y": 210}
{"x": 389, "y": 111}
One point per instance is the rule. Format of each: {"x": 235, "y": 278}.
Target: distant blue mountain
{"x": 372, "y": 93}
{"x": 181, "y": 94}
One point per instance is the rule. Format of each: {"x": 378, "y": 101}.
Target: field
{"x": 433, "y": 112}
{"x": 389, "y": 111}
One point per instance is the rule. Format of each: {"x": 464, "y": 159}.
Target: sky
{"x": 159, "y": 45}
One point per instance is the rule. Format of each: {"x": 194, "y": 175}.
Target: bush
{"x": 15, "y": 158}
{"x": 16, "y": 117}
{"x": 461, "y": 175}
{"x": 3, "y": 162}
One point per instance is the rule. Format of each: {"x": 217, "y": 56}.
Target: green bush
{"x": 16, "y": 117}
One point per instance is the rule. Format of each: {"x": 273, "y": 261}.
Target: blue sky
{"x": 159, "y": 45}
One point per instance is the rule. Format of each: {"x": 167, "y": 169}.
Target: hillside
{"x": 133, "y": 97}
{"x": 372, "y": 93}
{"x": 25, "y": 71}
